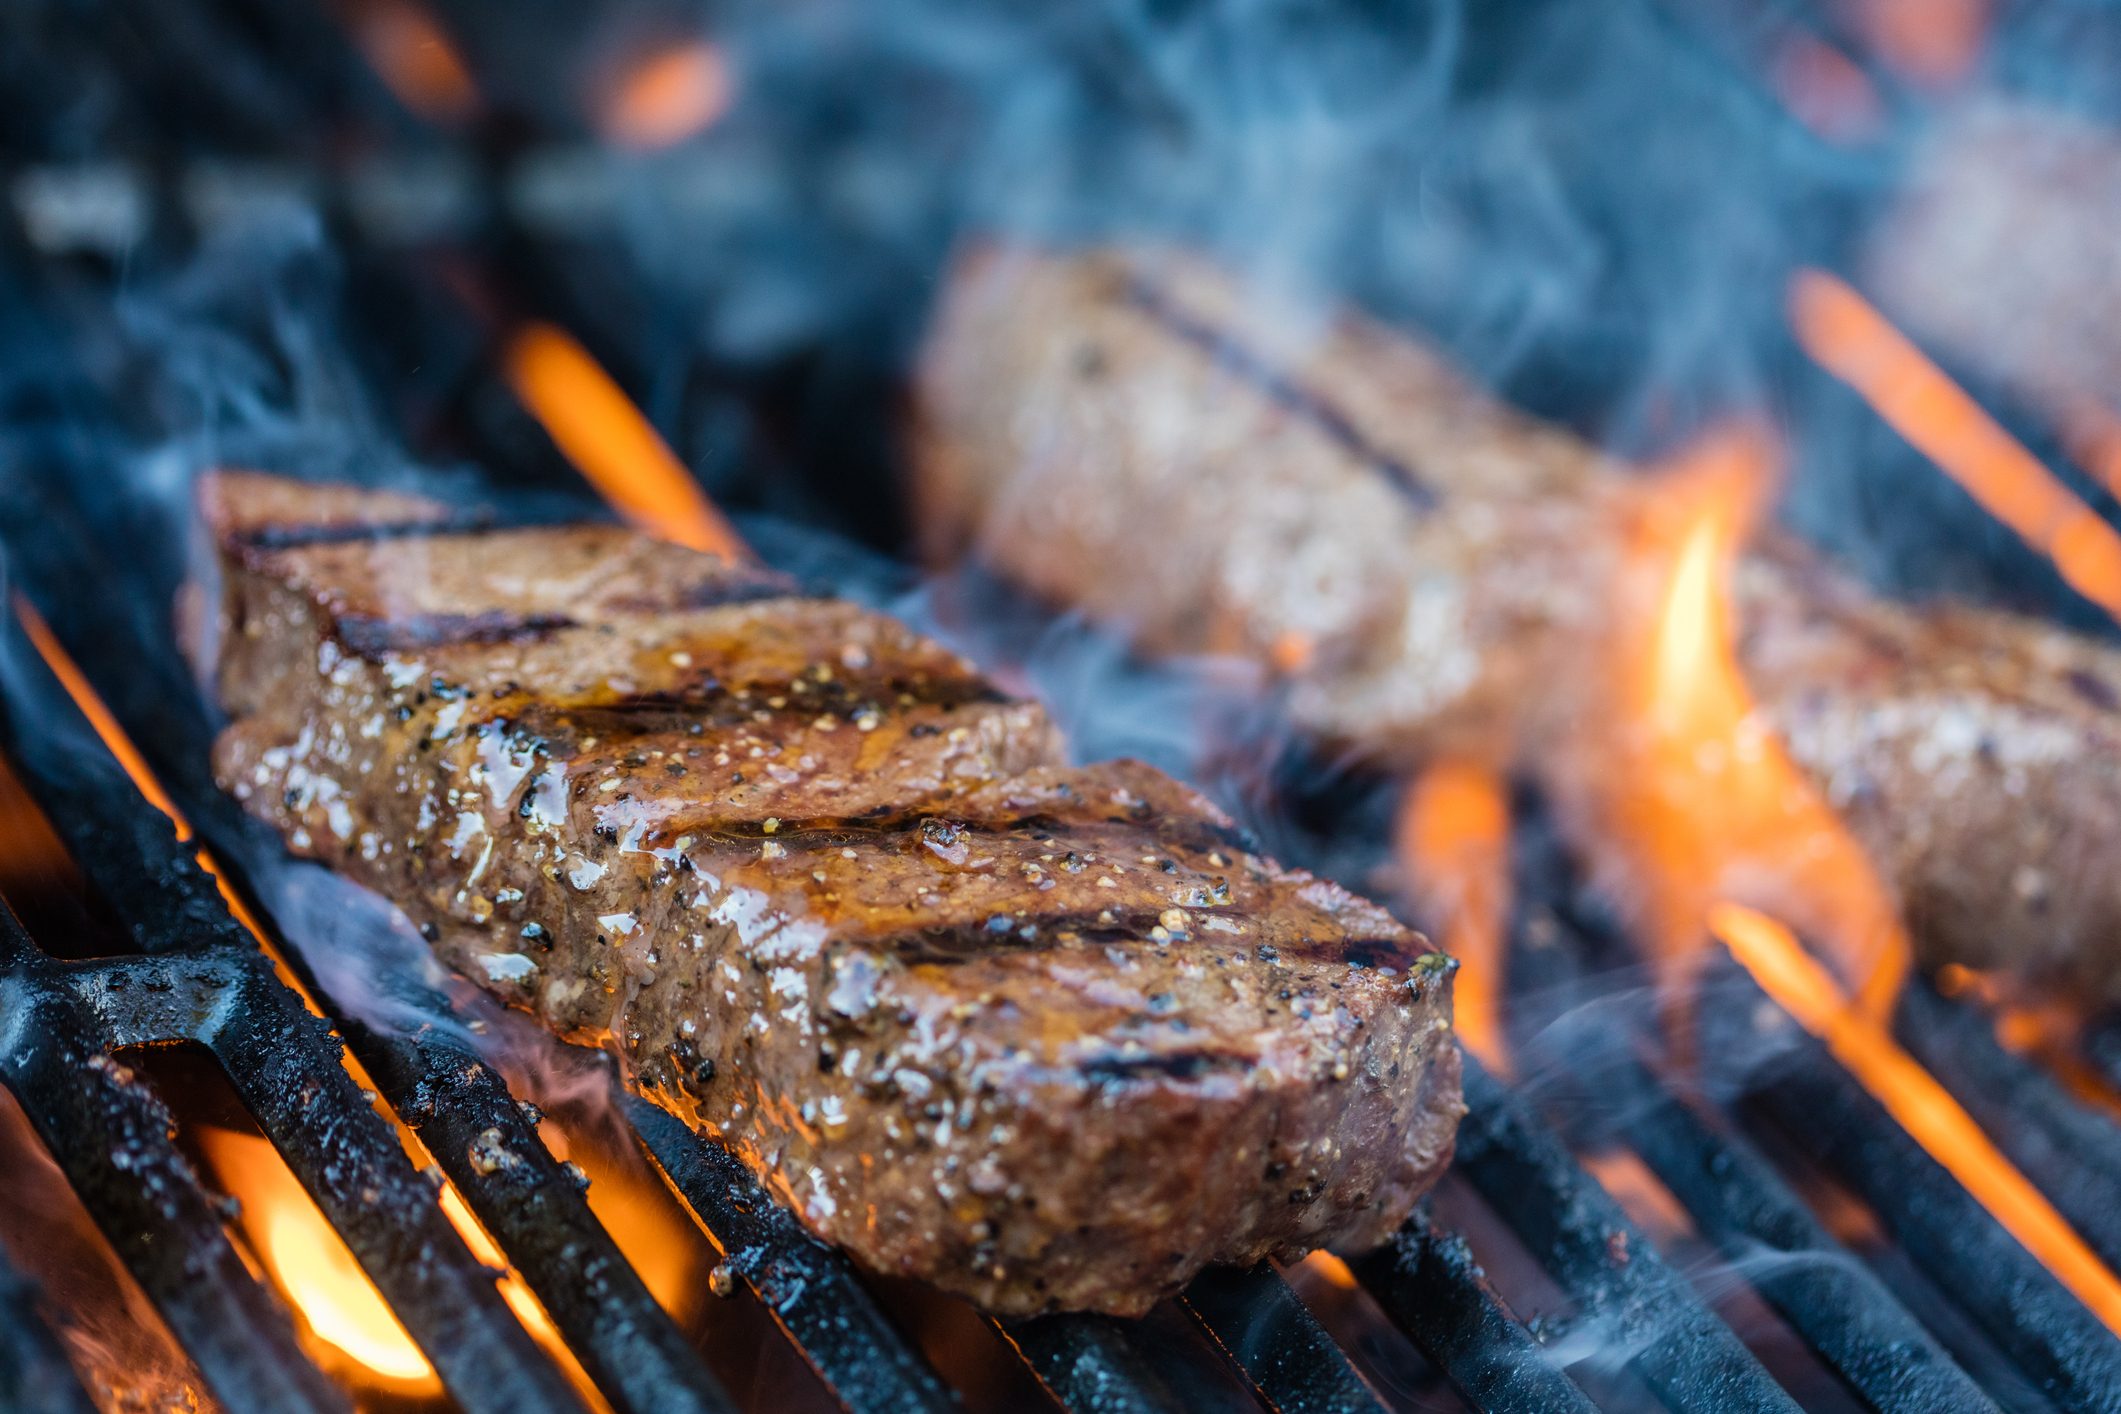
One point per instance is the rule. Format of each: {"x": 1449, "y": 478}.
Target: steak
{"x": 1050, "y": 1037}
{"x": 1419, "y": 569}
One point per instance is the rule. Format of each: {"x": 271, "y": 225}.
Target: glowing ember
{"x": 1452, "y": 842}
{"x": 311, "y": 1266}
{"x": 670, "y": 96}
{"x": 1912, "y": 1096}
{"x": 1685, "y": 793}
{"x": 415, "y": 59}
{"x": 596, "y": 426}
{"x": 1854, "y": 342}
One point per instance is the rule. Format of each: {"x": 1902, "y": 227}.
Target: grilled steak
{"x": 1050, "y": 1037}
{"x": 1136, "y": 435}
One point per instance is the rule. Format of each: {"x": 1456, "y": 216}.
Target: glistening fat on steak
{"x": 1138, "y": 435}
{"x": 1050, "y": 1037}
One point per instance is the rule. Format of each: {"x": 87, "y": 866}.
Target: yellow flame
{"x": 1452, "y": 843}
{"x": 1682, "y": 789}
{"x": 311, "y": 1265}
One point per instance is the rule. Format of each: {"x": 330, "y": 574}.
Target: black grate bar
{"x": 1090, "y": 1364}
{"x": 1428, "y": 1283}
{"x": 811, "y": 1289}
{"x": 2070, "y": 1151}
{"x": 1737, "y": 1201}
{"x": 2037, "y": 1323}
{"x": 34, "y": 1372}
{"x": 1605, "y": 1264}
{"x": 1291, "y": 1362}
{"x": 284, "y": 1062}
{"x": 112, "y": 1138}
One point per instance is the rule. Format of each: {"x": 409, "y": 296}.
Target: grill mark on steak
{"x": 302, "y": 537}
{"x": 1307, "y": 404}
{"x": 1126, "y": 928}
{"x": 373, "y": 636}
{"x": 719, "y": 591}
{"x": 709, "y": 704}
{"x": 918, "y": 823}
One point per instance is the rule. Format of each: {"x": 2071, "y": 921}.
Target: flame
{"x": 312, "y": 1267}
{"x": 1688, "y": 793}
{"x": 1935, "y": 43}
{"x": 596, "y": 426}
{"x": 413, "y": 56}
{"x": 1452, "y": 843}
{"x": 1924, "y": 1108}
{"x": 1329, "y": 1269}
{"x": 1854, "y": 342}
{"x": 671, "y": 95}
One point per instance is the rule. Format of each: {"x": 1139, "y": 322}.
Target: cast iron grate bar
{"x": 1607, "y": 1267}
{"x": 1428, "y": 1283}
{"x": 34, "y": 1373}
{"x": 111, "y": 1137}
{"x": 2071, "y": 1152}
{"x": 2073, "y": 1358}
{"x": 1090, "y": 1364}
{"x": 1286, "y": 1355}
{"x": 1732, "y": 1194}
{"x": 1736, "y": 1200}
{"x": 283, "y": 1060}
{"x": 810, "y": 1289}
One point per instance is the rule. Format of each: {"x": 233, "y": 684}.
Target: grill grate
{"x": 203, "y": 979}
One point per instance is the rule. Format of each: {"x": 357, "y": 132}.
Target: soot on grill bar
{"x": 1253, "y": 704}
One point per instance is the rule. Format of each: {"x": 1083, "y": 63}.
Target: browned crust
{"x": 1110, "y": 460}
{"x": 1048, "y": 1036}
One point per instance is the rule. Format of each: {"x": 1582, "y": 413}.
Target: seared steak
{"x": 1050, "y": 1037}
{"x": 1136, "y": 434}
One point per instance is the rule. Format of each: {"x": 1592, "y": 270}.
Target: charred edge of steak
{"x": 302, "y": 537}
{"x": 745, "y": 587}
{"x": 1280, "y": 388}
{"x": 373, "y": 637}
{"x": 701, "y": 704}
{"x": 925, "y": 824}
{"x": 1125, "y": 927}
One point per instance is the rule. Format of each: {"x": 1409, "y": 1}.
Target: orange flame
{"x": 1689, "y": 793}
{"x": 1854, "y": 342}
{"x": 1935, "y": 43}
{"x": 596, "y": 426}
{"x": 1452, "y": 842}
{"x": 312, "y": 1267}
{"x": 668, "y": 97}
{"x": 1924, "y": 1108}
{"x": 413, "y": 56}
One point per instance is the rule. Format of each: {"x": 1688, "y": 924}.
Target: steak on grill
{"x": 1050, "y": 1037}
{"x": 1138, "y": 435}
